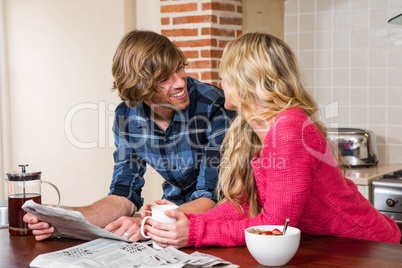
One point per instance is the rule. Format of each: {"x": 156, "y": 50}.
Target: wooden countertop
{"x": 365, "y": 175}
{"x": 314, "y": 251}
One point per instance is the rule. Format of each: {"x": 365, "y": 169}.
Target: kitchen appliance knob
{"x": 390, "y": 202}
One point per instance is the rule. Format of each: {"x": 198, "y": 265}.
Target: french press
{"x": 23, "y": 186}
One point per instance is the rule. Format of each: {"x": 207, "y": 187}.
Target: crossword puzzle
{"x": 77, "y": 252}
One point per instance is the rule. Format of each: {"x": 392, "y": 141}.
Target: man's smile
{"x": 181, "y": 94}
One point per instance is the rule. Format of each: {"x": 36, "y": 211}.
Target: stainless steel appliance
{"x": 358, "y": 147}
{"x": 387, "y": 195}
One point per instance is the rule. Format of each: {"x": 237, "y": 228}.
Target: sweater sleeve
{"x": 224, "y": 211}
{"x": 283, "y": 176}
{"x": 224, "y": 214}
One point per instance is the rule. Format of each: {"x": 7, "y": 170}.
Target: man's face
{"x": 172, "y": 92}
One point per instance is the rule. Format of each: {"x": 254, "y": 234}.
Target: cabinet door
{"x": 365, "y": 190}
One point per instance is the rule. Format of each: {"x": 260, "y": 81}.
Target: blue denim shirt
{"x": 186, "y": 155}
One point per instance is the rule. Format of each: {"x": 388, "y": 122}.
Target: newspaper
{"x": 68, "y": 223}
{"x": 106, "y": 249}
{"x": 112, "y": 253}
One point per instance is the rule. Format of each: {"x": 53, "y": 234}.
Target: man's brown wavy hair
{"x": 142, "y": 60}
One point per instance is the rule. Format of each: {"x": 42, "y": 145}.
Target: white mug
{"x": 158, "y": 214}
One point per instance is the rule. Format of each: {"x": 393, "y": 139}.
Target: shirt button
{"x": 167, "y": 140}
{"x": 174, "y": 167}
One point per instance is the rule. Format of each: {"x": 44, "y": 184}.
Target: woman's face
{"x": 228, "y": 103}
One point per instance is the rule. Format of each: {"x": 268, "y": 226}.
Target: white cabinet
{"x": 366, "y": 191}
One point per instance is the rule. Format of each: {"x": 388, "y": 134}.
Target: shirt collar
{"x": 142, "y": 115}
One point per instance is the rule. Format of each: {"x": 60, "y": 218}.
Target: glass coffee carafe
{"x": 23, "y": 186}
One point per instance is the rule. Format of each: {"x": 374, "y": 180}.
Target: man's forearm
{"x": 107, "y": 209}
{"x": 199, "y": 205}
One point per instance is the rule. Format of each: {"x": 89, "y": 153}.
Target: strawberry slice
{"x": 276, "y": 232}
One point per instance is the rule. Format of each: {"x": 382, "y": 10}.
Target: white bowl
{"x": 273, "y": 250}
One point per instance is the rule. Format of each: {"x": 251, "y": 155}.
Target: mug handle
{"x": 57, "y": 190}
{"x": 142, "y": 226}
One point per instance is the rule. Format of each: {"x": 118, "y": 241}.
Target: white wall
{"x": 148, "y": 15}
{"x": 264, "y": 16}
{"x": 61, "y": 106}
{"x": 4, "y": 100}
{"x": 60, "y": 55}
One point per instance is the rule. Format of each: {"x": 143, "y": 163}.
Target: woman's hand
{"x": 127, "y": 227}
{"x": 148, "y": 207}
{"x": 169, "y": 234}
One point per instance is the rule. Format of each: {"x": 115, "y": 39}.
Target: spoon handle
{"x": 286, "y": 226}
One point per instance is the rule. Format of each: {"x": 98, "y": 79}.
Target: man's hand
{"x": 41, "y": 230}
{"x": 127, "y": 227}
{"x": 100, "y": 213}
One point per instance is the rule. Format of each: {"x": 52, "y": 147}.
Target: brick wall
{"x": 202, "y": 28}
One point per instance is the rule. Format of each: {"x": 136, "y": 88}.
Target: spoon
{"x": 285, "y": 227}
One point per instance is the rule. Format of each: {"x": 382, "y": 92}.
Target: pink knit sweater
{"x": 297, "y": 178}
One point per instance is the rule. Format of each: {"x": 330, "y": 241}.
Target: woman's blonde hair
{"x": 259, "y": 69}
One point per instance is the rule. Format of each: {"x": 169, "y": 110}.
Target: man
{"x": 169, "y": 121}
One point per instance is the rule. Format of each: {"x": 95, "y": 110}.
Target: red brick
{"x": 202, "y": 64}
{"x": 165, "y": 21}
{"x": 207, "y": 6}
{"x": 211, "y": 53}
{"x": 239, "y": 9}
{"x": 180, "y": 32}
{"x": 230, "y": 21}
{"x": 210, "y": 76}
{"x": 239, "y": 33}
{"x": 191, "y": 54}
{"x": 197, "y": 43}
{"x": 194, "y": 75}
{"x": 195, "y": 19}
{"x": 218, "y": 32}
{"x": 218, "y": 6}
{"x": 179, "y": 8}
{"x": 223, "y": 43}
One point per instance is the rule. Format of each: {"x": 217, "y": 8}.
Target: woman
{"x": 276, "y": 163}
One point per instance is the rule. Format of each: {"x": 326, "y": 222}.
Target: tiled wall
{"x": 352, "y": 62}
